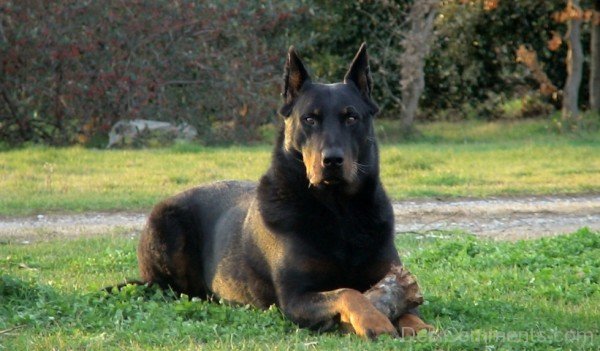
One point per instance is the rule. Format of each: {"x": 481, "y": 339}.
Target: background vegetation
{"x": 70, "y": 70}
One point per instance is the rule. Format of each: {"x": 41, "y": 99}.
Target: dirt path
{"x": 499, "y": 218}
{"x": 502, "y": 218}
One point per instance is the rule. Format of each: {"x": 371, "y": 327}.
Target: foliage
{"x": 473, "y": 59}
{"x": 534, "y": 295}
{"x": 474, "y": 56}
{"x": 345, "y": 24}
{"x": 71, "y": 69}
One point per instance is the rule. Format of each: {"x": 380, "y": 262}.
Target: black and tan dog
{"x": 311, "y": 236}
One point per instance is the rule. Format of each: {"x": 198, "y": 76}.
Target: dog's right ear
{"x": 295, "y": 76}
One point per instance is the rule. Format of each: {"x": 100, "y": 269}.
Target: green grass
{"x": 449, "y": 160}
{"x": 388, "y": 131}
{"x": 534, "y": 295}
{"x": 78, "y": 179}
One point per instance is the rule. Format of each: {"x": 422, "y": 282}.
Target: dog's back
{"x": 178, "y": 247}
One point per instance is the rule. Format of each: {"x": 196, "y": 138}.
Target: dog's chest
{"x": 350, "y": 259}
{"x": 351, "y": 264}
{"x": 349, "y": 240}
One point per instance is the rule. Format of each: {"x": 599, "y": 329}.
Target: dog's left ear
{"x": 359, "y": 74}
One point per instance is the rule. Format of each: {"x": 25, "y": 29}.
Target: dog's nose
{"x": 332, "y": 158}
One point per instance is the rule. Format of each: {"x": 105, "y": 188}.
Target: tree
{"x": 416, "y": 44}
{"x": 595, "y": 59}
{"x": 574, "y": 61}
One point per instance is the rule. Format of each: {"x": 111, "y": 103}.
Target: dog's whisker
{"x": 362, "y": 167}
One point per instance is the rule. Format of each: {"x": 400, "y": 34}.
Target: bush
{"x": 473, "y": 59}
{"x": 72, "y": 69}
{"x": 340, "y": 29}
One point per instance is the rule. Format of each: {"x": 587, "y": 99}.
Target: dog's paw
{"x": 411, "y": 325}
{"x": 371, "y": 325}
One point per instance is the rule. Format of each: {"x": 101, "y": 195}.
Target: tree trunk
{"x": 410, "y": 100}
{"x": 416, "y": 46}
{"x": 595, "y": 59}
{"x": 570, "y": 110}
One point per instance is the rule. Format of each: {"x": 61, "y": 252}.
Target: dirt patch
{"x": 44, "y": 227}
{"x": 501, "y": 218}
{"x": 498, "y": 218}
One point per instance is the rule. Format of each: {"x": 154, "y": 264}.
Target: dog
{"x": 311, "y": 236}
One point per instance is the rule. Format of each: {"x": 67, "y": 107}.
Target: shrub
{"x": 474, "y": 55}
{"x": 70, "y": 69}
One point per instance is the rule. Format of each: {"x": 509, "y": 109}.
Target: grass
{"x": 471, "y": 159}
{"x": 534, "y": 295}
{"x": 78, "y": 179}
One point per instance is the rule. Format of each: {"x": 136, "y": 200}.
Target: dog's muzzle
{"x": 331, "y": 166}
{"x": 332, "y": 161}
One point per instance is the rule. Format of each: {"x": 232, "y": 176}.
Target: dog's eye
{"x": 311, "y": 121}
{"x": 350, "y": 120}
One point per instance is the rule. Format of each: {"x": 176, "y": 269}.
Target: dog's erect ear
{"x": 360, "y": 75}
{"x": 295, "y": 76}
{"x": 359, "y": 72}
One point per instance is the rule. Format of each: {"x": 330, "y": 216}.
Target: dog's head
{"x": 331, "y": 125}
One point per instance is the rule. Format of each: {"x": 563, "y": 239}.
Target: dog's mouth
{"x": 332, "y": 181}
{"x": 324, "y": 178}
{"x": 332, "y": 177}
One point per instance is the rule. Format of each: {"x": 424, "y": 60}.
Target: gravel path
{"x": 502, "y": 218}
{"x": 498, "y": 218}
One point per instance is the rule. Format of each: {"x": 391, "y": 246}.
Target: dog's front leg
{"x": 321, "y": 310}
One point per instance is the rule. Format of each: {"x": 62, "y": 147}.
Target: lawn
{"x": 480, "y": 295}
{"x": 470, "y": 159}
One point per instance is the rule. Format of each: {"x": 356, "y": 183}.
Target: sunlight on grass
{"x": 449, "y": 161}
{"x": 389, "y": 131}
{"x": 78, "y": 179}
{"x": 491, "y": 169}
